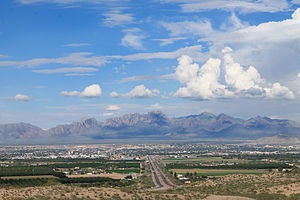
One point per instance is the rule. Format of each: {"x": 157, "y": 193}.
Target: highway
{"x": 159, "y": 178}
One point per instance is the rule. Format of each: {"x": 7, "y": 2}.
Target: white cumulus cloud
{"x": 138, "y": 92}
{"x": 90, "y": 92}
{"x": 238, "y": 77}
{"x": 279, "y": 92}
{"x": 204, "y": 82}
{"x": 113, "y": 107}
{"x": 273, "y": 45}
{"x": 114, "y": 94}
{"x": 22, "y": 97}
{"x": 248, "y": 82}
{"x": 70, "y": 94}
{"x": 19, "y": 97}
{"x": 200, "y": 83}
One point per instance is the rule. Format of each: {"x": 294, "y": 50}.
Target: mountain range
{"x": 153, "y": 126}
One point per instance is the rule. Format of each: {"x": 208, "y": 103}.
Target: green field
{"x": 203, "y": 160}
{"x": 217, "y": 172}
{"x": 28, "y": 177}
{"x": 125, "y": 171}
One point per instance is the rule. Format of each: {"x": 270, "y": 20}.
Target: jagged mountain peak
{"x": 207, "y": 115}
{"x": 87, "y": 122}
{"x": 204, "y": 115}
{"x": 223, "y": 116}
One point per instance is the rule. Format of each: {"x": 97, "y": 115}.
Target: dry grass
{"x": 293, "y": 188}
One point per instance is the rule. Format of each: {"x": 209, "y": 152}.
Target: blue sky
{"x": 63, "y": 60}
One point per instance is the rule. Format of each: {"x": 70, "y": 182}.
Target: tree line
{"x": 29, "y": 171}
{"x": 234, "y": 166}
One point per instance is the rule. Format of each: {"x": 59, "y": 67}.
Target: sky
{"x": 64, "y": 60}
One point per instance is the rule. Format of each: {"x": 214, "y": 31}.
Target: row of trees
{"x": 49, "y": 169}
{"x": 87, "y": 180}
{"x": 24, "y": 171}
{"x": 97, "y": 165}
{"x": 235, "y": 166}
{"x": 255, "y": 157}
{"x": 23, "y": 182}
{"x": 29, "y": 171}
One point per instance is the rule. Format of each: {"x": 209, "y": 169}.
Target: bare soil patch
{"x": 112, "y": 175}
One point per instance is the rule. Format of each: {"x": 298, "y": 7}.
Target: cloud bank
{"x": 203, "y": 83}
{"x": 245, "y": 6}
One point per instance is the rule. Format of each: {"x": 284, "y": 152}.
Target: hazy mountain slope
{"x": 156, "y": 125}
{"x": 20, "y": 131}
{"x": 75, "y": 128}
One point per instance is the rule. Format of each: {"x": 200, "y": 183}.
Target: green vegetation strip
{"x": 125, "y": 171}
{"x": 198, "y": 159}
{"x": 74, "y": 160}
{"x": 87, "y": 180}
{"x": 28, "y": 177}
{"x": 23, "y": 182}
{"x": 28, "y": 171}
{"x": 96, "y": 165}
{"x": 235, "y": 166}
{"x": 216, "y": 172}
{"x": 204, "y": 160}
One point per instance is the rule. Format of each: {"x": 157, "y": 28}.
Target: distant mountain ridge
{"x": 20, "y": 130}
{"x": 155, "y": 126}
